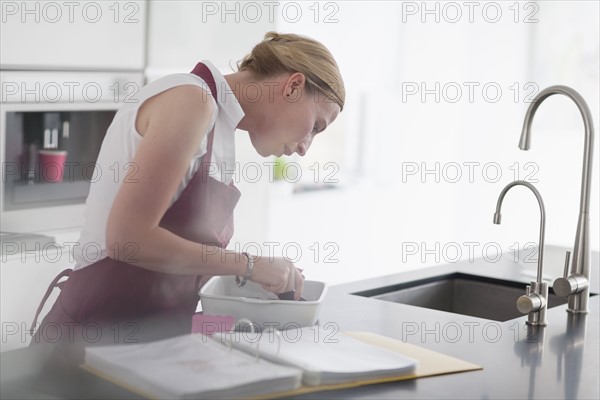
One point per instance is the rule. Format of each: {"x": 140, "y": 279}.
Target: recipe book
{"x": 199, "y": 366}
{"x": 244, "y": 364}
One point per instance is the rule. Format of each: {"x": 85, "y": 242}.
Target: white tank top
{"x": 120, "y": 145}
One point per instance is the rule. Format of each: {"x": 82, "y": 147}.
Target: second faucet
{"x": 535, "y": 300}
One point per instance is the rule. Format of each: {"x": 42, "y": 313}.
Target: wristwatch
{"x": 242, "y": 281}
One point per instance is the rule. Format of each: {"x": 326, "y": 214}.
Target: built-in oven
{"x": 52, "y": 127}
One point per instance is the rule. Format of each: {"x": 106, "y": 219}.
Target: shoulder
{"x": 177, "y": 106}
{"x": 174, "y": 86}
{"x": 171, "y": 81}
{"x": 189, "y": 94}
{"x": 185, "y": 102}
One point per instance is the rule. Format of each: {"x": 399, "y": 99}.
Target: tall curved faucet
{"x": 536, "y": 295}
{"x": 574, "y": 284}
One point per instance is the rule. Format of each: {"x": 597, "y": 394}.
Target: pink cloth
{"x": 211, "y": 324}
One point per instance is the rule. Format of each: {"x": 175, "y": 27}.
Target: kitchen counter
{"x": 561, "y": 360}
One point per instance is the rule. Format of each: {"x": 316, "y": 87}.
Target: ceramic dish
{"x": 221, "y": 296}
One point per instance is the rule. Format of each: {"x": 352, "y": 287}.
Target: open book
{"x": 244, "y": 364}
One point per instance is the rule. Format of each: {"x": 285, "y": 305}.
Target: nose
{"x": 301, "y": 150}
{"x": 304, "y": 145}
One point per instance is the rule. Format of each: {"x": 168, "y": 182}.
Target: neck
{"x": 237, "y": 82}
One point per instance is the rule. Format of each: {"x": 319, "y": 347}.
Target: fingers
{"x": 299, "y": 285}
{"x": 281, "y": 280}
{"x": 279, "y": 277}
{"x": 291, "y": 278}
{"x": 268, "y": 287}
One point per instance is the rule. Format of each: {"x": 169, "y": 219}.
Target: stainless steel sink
{"x": 460, "y": 293}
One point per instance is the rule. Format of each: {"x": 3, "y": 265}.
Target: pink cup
{"x": 52, "y": 164}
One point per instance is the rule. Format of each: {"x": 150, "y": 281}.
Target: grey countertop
{"x": 561, "y": 360}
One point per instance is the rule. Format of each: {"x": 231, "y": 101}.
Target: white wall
{"x": 181, "y": 33}
{"x": 383, "y": 56}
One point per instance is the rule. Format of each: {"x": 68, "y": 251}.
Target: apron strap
{"x": 51, "y": 287}
{"x": 203, "y": 72}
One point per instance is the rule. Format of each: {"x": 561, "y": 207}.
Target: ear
{"x": 295, "y": 85}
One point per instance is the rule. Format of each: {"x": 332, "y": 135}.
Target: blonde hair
{"x": 279, "y": 53}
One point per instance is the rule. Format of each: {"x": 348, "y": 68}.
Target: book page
{"x": 324, "y": 356}
{"x": 190, "y": 366}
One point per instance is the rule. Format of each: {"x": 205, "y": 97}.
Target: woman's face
{"x": 287, "y": 117}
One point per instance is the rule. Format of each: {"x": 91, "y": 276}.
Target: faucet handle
{"x": 569, "y": 283}
{"x": 530, "y": 302}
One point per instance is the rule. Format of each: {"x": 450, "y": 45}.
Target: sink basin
{"x": 461, "y": 293}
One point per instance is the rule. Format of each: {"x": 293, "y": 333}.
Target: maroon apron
{"x": 114, "y": 302}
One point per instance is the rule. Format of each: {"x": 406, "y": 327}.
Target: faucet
{"x": 536, "y": 294}
{"x": 574, "y": 284}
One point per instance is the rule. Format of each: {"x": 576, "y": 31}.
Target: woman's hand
{"x": 278, "y": 275}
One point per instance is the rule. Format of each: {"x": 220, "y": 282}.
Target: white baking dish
{"x": 221, "y": 296}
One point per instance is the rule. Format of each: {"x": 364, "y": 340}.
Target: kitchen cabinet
{"x": 24, "y": 278}
{"x": 90, "y": 35}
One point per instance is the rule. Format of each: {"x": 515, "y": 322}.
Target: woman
{"x": 154, "y": 236}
